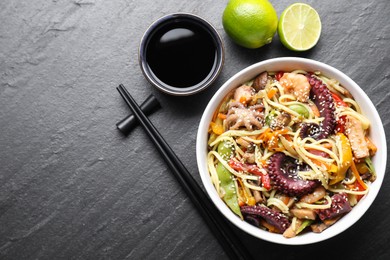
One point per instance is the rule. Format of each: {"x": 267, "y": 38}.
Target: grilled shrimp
{"x": 296, "y": 84}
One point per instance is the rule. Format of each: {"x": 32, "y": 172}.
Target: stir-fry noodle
{"x": 289, "y": 152}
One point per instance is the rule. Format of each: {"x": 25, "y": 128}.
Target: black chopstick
{"x": 214, "y": 219}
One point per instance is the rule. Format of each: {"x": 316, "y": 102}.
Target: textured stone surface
{"x": 72, "y": 187}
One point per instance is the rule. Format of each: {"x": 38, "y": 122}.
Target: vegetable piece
{"x": 362, "y": 168}
{"x": 306, "y": 223}
{"x": 372, "y": 169}
{"x": 271, "y": 138}
{"x": 228, "y": 189}
{"x": 357, "y": 175}
{"x": 271, "y": 93}
{"x": 346, "y": 159}
{"x": 340, "y": 124}
{"x": 249, "y": 199}
{"x": 271, "y": 115}
{"x": 271, "y": 228}
{"x": 216, "y": 129}
{"x": 356, "y": 186}
{"x": 225, "y": 150}
{"x": 260, "y": 81}
{"x": 251, "y": 168}
{"x": 278, "y": 75}
{"x": 217, "y": 126}
{"x": 298, "y": 227}
{"x": 300, "y": 109}
{"x": 222, "y": 116}
{"x": 338, "y": 100}
{"x": 257, "y": 196}
{"x": 227, "y": 184}
{"x": 224, "y": 105}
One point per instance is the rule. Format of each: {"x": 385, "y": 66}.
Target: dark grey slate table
{"x": 72, "y": 187}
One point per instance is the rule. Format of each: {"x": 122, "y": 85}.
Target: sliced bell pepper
{"x": 340, "y": 124}
{"x": 278, "y": 75}
{"x": 249, "y": 199}
{"x": 358, "y": 185}
{"x": 346, "y": 159}
{"x": 271, "y": 93}
{"x": 357, "y": 175}
{"x": 251, "y": 168}
{"x": 217, "y": 126}
{"x": 337, "y": 99}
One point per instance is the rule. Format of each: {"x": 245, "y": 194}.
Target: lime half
{"x": 299, "y": 27}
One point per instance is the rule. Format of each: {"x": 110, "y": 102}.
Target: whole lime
{"x": 250, "y": 23}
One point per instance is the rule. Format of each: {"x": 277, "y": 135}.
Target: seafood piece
{"x": 304, "y": 213}
{"x": 340, "y": 205}
{"x": 312, "y": 130}
{"x": 253, "y": 220}
{"x": 321, "y": 226}
{"x": 292, "y": 230}
{"x": 323, "y": 99}
{"x": 274, "y": 218}
{"x": 243, "y": 143}
{"x": 317, "y": 194}
{"x": 283, "y": 172}
{"x": 296, "y": 84}
{"x": 244, "y": 94}
{"x": 355, "y": 133}
{"x": 241, "y": 116}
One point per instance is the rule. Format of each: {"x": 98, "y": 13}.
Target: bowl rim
{"x": 379, "y": 159}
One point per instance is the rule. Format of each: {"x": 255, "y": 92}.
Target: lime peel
{"x": 250, "y": 23}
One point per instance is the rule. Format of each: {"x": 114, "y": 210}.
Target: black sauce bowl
{"x": 173, "y": 20}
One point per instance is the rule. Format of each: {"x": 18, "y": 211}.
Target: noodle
{"x": 325, "y": 161}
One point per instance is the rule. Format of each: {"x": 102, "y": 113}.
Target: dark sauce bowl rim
{"x": 175, "y": 17}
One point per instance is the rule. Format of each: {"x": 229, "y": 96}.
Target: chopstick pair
{"x": 213, "y": 218}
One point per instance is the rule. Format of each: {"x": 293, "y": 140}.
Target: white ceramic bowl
{"x": 377, "y": 134}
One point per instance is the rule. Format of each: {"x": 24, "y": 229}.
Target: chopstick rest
{"x": 149, "y": 106}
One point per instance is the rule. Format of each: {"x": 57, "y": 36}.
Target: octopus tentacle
{"x": 323, "y": 99}
{"x": 242, "y": 116}
{"x": 339, "y": 206}
{"x": 273, "y": 217}
{"x": 310, "y": 129}
{"x": 283, "y": 172}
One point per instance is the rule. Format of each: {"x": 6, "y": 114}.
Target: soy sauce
{"x": 181, "y": 54}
